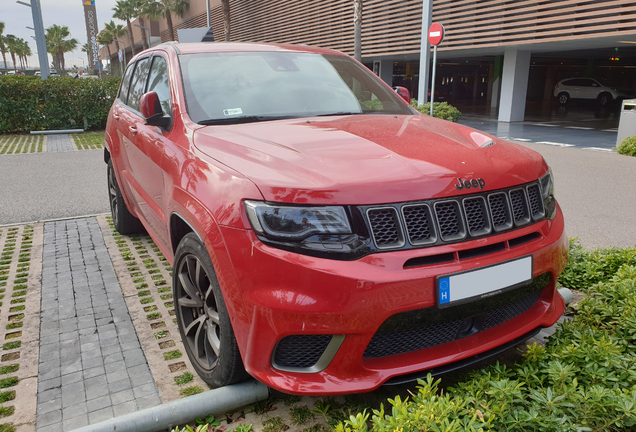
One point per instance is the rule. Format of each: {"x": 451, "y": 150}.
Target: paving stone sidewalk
{"x": 91, "y": 367}
{"x": 59, "y": 143}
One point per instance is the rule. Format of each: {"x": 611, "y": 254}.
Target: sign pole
{"x": 435, "y": 37}
{"x": 433, "y": 78}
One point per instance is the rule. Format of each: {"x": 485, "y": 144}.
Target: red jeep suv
{"x": 325, "y": 236}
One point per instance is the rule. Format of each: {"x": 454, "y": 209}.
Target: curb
{"x": 166, "y": 416}
{"x": 53, "y": 220}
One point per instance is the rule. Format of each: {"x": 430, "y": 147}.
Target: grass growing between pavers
{"x": 16, "y": 244}
{"x": 88, "y": 140}
{"x": 149, "y": 278}
{"x": 18, "y": 144}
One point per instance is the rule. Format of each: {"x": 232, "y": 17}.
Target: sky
{"x": 68, "y": 13}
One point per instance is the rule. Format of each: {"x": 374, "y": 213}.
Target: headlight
{"x": 547, "y": 184}
{"x": 547, "y": 193}
{"x": 295, "y": 223}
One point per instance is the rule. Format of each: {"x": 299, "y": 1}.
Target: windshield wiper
{"x": 242, "y": 119}
{"x": 342, "y": 113}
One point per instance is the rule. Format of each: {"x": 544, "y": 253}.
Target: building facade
{"x": 496, "y": 53}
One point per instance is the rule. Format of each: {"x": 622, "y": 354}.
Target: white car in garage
{"x": 587, "y": 89}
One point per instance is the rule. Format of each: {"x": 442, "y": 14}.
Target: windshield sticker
{"x": 233, "y": 111}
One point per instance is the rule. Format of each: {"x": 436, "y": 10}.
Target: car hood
{"x": 366, "y": 159}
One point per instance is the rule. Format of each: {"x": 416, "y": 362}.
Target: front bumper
{"x": 281, "y": 293}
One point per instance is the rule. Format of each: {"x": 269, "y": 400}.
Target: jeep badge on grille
{"x": 474, "y": 183}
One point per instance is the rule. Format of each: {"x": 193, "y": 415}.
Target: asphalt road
{"x": 596, "y": 190}
{"x": 45, "y": 186}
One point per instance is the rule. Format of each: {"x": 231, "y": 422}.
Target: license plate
{"x": 485, "y": 282}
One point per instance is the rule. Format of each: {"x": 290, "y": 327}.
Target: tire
{"x": 604, "y": 99}
{"x": 123, "y": 220}
{"x": 563, "y": 98}
{"x": 203, "y": 320}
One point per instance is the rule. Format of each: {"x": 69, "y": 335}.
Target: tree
{"x": 23, "y": 51}
{"x": 116, "y": 31}
{"x": 88, "y": 49}
{"x": 127, "y": 10}
{"x": 226, "y": 19}
{"x": 105, "y": 38}
{"x": 165, "y": 9}
{"x": 57, "y": 44}
{"x": 3, "y": 47}
{"x": 11, "y": 42}
{"x": 357, "y": 29}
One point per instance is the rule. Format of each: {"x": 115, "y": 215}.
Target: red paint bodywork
{"x": 204, "y": 173}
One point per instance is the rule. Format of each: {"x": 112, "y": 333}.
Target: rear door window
{"x": 125, "y": 84}
{"x": 138, "y": 83}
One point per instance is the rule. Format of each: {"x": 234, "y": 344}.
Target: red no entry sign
{"x": 436, "y": 34}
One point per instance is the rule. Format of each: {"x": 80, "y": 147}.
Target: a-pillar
{"x": 514, "y": 85}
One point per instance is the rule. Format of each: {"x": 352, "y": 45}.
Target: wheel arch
{"x": 179, "y": 227}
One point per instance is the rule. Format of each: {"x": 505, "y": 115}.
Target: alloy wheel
{"x": 112, "y": 194}
{"x": 198, "y": 312}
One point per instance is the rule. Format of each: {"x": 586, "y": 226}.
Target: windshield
{"x": 233, "y": 87}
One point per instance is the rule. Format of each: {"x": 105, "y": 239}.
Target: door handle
{"x": 133, "y": 130}
{"x": 116, "y": 117}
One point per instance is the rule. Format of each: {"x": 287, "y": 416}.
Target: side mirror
{"x": 404, "y": 93}
{"x": 150, "y": 109}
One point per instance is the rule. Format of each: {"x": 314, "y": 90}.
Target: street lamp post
{"x": 124, "y": 50}
{"x": 40, "y": 39}
{"x": 148, "y": 30}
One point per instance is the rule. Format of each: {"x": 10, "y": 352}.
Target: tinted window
{"x": 138, "y": 83}
{"x": 158, "y": 82}
{"x": 125, "y": 83}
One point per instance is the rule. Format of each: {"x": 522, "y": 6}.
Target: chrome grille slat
{"x": 454, "y": 219}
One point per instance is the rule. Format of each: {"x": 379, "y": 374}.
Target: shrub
{"x": 627, "y": 147}
{"x": 586, "y": 268}
{"x": 441, "y": 110}
{"x": 582, "y": 380}
{"x": 28, "y": 103}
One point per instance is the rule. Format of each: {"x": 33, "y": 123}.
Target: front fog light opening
{"x": 305, "y": 353}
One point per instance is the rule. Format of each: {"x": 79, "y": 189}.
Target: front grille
{"x": 519, "y": 206}
{"x": 385, "y": 226}
{"x": 418, "y": 224}
{"x": 429, "y": 327}
{"x": 300, "y": 351}
{"x": 449, "y": 219}
{"x": 536, "y": 204}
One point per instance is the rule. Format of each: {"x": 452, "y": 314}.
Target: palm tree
{"x": 57, "y": 44}
{"x": 105, "y": 38}
{"x": 226, "y": 19}
{"x": 88, "y": 49}
{"x": 357, "y": 29}
{"x": 116, "y": 31}
{"x": 126, "y": 10}
{"x": 165, "y": 9}
{"x": 3, "y": 47}
{"x": 11, "y": 42}
{"x": 23, "y": 51}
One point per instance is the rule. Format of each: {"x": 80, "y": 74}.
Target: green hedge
{"x": 627, "y": 147}
{"x": 441, "y": 110}
{"x": 584, "y": 379}
{"x": 27, "y": 103}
